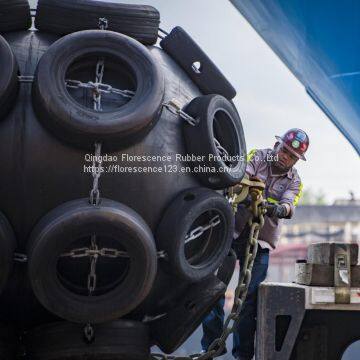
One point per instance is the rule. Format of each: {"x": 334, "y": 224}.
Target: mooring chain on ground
{"x": 256, "y": 222}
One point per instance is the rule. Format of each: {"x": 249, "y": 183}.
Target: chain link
{"x": 91, "y": 283}
{"x": 20, "y": 257}
{"x": 197, "y": 232}
{"x": 89, "y": 333}
{"x": 101, "y": 88}
{"x": 221, "y": 150}
{"x": 96, "y": 170}
{"x": 103, "y": 23}
{"x": 174, "y": 107}
{"x": 256, "y": 222}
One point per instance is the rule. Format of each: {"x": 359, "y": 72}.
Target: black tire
{"x": 170, "y": 331}
{"x": 118, "y": 340}
{"x": 200, "y": 68}
{"x": 199, "y": 258}
{"x": 15, "y": 15}
{"x": 226, "y": 270}
{"x": 60, "y": 281}
{"x": 7, "y": 248}
{"x": 8, "y": 78}
{"x": 62, "y": 17}
{"x": 218, "y": 119}
{"x": 135, "y": 69}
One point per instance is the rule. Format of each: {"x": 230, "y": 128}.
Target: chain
{"x": 91, "y": 283}
{"x": 195, "y": 233}
{"x": 89, "y": 333}
{"x": 26, "y": 78}
{"x": 20, "y": 257}
{"x": 90, "y": 252}
{"x": 96, "y": 170}
{"x": 256, "y": 222}
{"x": 174, "y": 107}
{"x": 221, "y": 150}
{"x": 104, "y": 252}
{"x": 103, "y": 23}
{"x": 97, "y": 87}
{"x": 100, "y": 68}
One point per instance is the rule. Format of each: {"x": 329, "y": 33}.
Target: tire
{"x": 7, "y": 248}
{"x": 60, "y": 281}
{"x": 170, "y": 331}
{"x": 216, "y": 118}
{"x": 72, "y": 122}
{"x": 112, "y": 341}
{"x": 226, "y": 270}
{"x": 200, "y": 257}
{"x": 200, "y": 68}
{"x": 15, "y": 15}
{"x": 8, "y": 79}
{"x": 62, "y": 17}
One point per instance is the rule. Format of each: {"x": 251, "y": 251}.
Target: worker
{"x": 283, "y": 188}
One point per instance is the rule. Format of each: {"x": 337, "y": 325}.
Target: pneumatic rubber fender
{"x": 217, "y": 122}
{"x": 194, "y": 260}
{"x": 15, "y": 15}
{"x": 74, "y": 122}
{"x": 7, "y": 248}
{"x": 62, "y": 17}
{"x": 117, "y": 340}
{"x": 8, "y": 78}
{"x": 56, "y": 235}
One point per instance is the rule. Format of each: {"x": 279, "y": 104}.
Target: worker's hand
{"x": 275, "y": 210}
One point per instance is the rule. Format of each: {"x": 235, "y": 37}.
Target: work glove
{"x": 275, "y": 210}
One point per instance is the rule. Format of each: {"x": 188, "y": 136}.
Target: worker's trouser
{"x": 243, "y": 337}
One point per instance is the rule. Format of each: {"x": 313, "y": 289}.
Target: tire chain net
{"x": 255, "y": 222}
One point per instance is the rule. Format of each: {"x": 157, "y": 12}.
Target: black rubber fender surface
{"x": 217, "y": 139}
{"x": 226, "y": 270}
{"x": 62, "y": 17}
{"x": 7, "y": 248}
{"x": 190, "y": 255}
{"x": 8, "y": 78}
{"x": 201, "y": 69}
{"x": 14, "y": 15}
{"x": 117, "y": 340}
{"x": 8, "y": 342}
{"x": 171, "y": 331}
{"x": 60, "y": 268}
{"x": 128, "y": 65}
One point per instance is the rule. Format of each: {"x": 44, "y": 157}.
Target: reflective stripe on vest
{"x": 251, "y": 154}
{"x": 297, "y": 197}
{"x": 272, "y": 200}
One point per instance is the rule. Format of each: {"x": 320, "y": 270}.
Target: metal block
{"x": 322, "y": 275}
{"x": 281, "y": 308}
{"x": 323, "y": 253}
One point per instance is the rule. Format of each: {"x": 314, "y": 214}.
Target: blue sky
{"x": 270, "y": 99}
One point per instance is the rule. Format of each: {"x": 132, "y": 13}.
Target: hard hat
{"x": 296, "y": 141}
